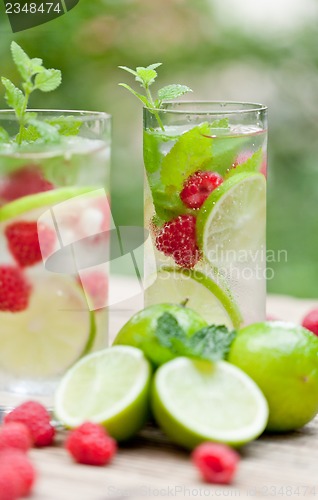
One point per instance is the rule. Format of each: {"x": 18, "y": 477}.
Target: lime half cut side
{"x": 51, "y": 334}
{"x": 197, "y": 401}
{"x": 233, "y": 218}
{"x": 109, "y": 387}
{"x": 198, "y": 291}
{"x": 39, "y": 200}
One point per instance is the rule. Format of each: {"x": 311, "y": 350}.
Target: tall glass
{"x": 54, "y": 222}
{"x": 205, "y": 207}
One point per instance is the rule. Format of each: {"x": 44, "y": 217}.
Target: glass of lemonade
{"x": 205, "y": 206}
{"x": 54, "y": 223}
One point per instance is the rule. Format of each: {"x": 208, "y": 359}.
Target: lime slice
{"x": 199, "y": 291}
{"x": 110, "y": 387}
{"x": 51, "y": 334}
{"x": 196, "y": 401}
{"x": 39, "y": 200}
{"x": 233, "y": 218}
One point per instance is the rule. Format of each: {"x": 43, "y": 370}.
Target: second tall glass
{"x": 205, "y": 207}
{"x": 54, "y": 230}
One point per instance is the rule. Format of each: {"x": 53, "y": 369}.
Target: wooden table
{"x": 283, "y": 466}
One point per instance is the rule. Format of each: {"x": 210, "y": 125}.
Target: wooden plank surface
{"x": 150, "y": 466}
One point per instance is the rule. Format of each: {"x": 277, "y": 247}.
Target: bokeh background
{"x": 264, "y": 51}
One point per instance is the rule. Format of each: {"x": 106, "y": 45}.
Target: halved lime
{"x": 39, "y": 200}
{"x": 110, "y": 387}
{"x": 196, "y": 401}
{"x": 233, "y": 218}
{"x": 51, "y": 334}
{"x": 200, "y": 293}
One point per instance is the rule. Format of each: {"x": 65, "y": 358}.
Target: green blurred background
{"x": 264, "y": 51}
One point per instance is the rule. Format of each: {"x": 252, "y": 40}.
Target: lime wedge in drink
{"x": 196, "y": 401}
{"x": 110, "y": 387}
{"x": 199, "y": 292}
{"x": 39, "y": 200}
{"x": 51, "y": 334}
{"x": 233, "y": 218}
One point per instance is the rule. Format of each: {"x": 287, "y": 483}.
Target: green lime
{"x": 39, "y": 200}
{"x": 196, "y": 401}
{"x": 282, "y": 359}
{"x": 51, "y": 334}
{"x": 140, "y": 330}
{"x": 233, "y": 217}
{"x": 109, "y": 387}
{"x": 199, "y": 291}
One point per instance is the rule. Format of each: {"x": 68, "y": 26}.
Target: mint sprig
{"x": 146, "y": 76}
{"x": 34, "y": 77}
{"x": 211, "y": 343}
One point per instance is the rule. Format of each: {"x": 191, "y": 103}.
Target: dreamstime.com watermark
{"x": 206, "y": 491}
{"x": 87, "y": 240}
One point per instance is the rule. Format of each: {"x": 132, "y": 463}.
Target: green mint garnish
{"x": 223, "y": 123}
{"x": 146, "y": 77}
{"x": 191, "y": 150}
{"x": 34, "y": 77}
{"x": 211, "y": 343}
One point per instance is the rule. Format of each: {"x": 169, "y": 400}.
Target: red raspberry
{"x": 310, "y": 321}
{"x": 24, "y": 239}
{"x": 14, "y": 289}
{"x": 198, "y": 186}
{"x": 95, "y": 285}
{"x": 26, "y": 181}
{"x": 36, "y": 417}
{"x": 178, "y": 239}
{"x": 15, "y": 435}
{"x": 90, "y": 444}
{"x": 24, "y": 475}
{"x": 216, "y": 462}
{"x": 9, "y": 487}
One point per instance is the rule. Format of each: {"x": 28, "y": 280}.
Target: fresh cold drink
{"x": 205, "y": 207}
{"x": 54, "y": 221}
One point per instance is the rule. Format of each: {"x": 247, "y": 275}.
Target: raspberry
{"x": 216, "y": 462}
{"x": 90, "y": 444}
{"x": 37, "y": 419}
{"x": 24, "y": 238}
{"x": 24, "y": 475}
{"x": 178, "y": 239}
{"x": 310, "y": 321}
{"x": 95, "y": 285}
{"x": 26, "y": 181}
{"x": 9, "y": 488}
{"x": 198, "y": 186}
{"x": 15, "y": 435}
{"x": 14, "y": 289}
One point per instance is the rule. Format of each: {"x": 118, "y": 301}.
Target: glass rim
{"x": 84, "y": 115}
{"x": 251, "y": 107}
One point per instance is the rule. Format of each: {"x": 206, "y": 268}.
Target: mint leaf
{"x": 45, "y": 131}
{"x": 129, "y": 70}
{"x": 223, "y": 123}
{"x": 168, "y": 329}
{"x": 146, "y": 76}
{"x": 252, "y": 164}
{"x": 66, "y": 125}
{"x": 4, "y": 136}
{"x": 187, "y": 155}
{"x": 142, "y": 98}
{"x": 172, "y": 92}
{"x": 21, "y": 60}
{"x": 212, "y": 343}
{"x": 14, "y": 97}
{"x": 48, "y": 80}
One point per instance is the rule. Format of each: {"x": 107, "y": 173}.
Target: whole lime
{"x": 140, "y": 330}
{"x": 282, "y": 358}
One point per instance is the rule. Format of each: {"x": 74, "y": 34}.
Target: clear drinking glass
{"x": 54, "y": 222}
{"x": 205, "y": 206}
